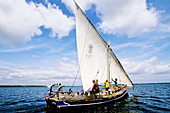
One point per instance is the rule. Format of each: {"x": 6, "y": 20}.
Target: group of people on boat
{"x": 107, "y": 84}
{"x": 60, "y": 88}
{"x": 95, "y": 89}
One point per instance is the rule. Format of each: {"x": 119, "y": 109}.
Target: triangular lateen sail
{"x": 93, "y": 54}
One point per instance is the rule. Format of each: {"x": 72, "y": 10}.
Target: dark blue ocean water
{"x": 152, "y": 98}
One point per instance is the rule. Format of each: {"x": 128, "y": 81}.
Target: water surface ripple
{"x": 147, "y": 98}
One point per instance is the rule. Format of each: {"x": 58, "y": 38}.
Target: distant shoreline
{"x": 68, "y": 86}
{"x": 23, "y": 86}
{"x": 151, "y": 83}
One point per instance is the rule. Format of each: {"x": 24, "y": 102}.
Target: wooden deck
{"x": 80, "y": 96}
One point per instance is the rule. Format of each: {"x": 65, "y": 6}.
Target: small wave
{"x": 160, "y": 97}
{"x": 153, "y": 97}
{"x": 137, "y": 96}
{"x": 131, "y": 96}
{"x": 158, "y": 108}
{"x": 160, "y": 101}
{"x": 146, "y": 103}
{"x": 142, "y": 96}
{"x": 13, "y": 102}
{"x": 150, "y": 97}
{"x": 40, "y": 100}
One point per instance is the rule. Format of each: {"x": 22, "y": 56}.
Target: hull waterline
{"x": 61, "y": 105}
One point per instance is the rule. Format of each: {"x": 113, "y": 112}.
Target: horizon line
{"x": 69, "y": 85}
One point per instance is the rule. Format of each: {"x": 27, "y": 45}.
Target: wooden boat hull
{"x": 53, "y": 104}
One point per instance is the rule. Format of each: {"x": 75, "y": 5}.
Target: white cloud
{"x": 28, "y": 48}
{"x": 120, "y": 46}
{"x": 131, "y": 17}
{"x": 20, "y": 21}
{"x": 63, "y": 72}
{"x": 163, "y": 28}
{"x": 147, "y": 67}
{"x": 147, "y": 71}
{"x": 84, "y": 4}
{"x": 46, "y": 1}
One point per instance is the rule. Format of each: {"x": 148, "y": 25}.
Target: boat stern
{"x": 53, "y": 103}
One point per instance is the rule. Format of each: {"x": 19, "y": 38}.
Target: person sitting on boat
{"x": 70, "y": 91}
{"x": 61, "y": 89}
{"x": 107, "y": 85}
{"x": 116, "y": 84}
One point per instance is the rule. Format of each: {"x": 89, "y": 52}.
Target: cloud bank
{"x": 131, "y": 17}
{"x": 64, "y": 73}
{"x": 21, "y": 20}
{"x": 149, "y": 70}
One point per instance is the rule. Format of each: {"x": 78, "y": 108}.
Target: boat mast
{"x": 108, "y": 62}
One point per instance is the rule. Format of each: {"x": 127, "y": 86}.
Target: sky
{"x": 38, "y": 39}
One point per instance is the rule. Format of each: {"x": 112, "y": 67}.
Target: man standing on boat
{"x": 107, "y": 85}
{"x": 50, "y": 88}
{"x": 116, "y": 84}
{"x": 95, "y": 88}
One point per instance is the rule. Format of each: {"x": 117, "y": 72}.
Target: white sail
{"x": 93, "y": 53}
{"x": 117, "y": 71}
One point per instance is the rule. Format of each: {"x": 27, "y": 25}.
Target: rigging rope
{"x": 75, "y": 77}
